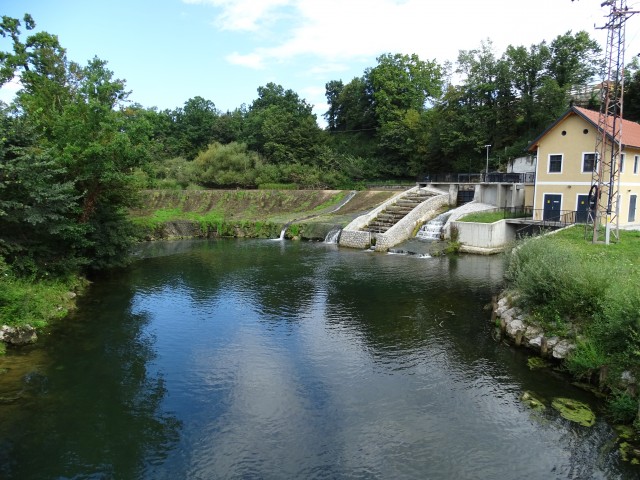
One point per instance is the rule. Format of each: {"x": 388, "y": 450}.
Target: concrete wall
{"x": 522, "y": 164}
{"x": 355, "y": 239}
{"x": 402, "y": 230}
{"x": 487, "y": 236}
{"x": 501, "y": 194}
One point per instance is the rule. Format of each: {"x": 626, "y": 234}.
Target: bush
{"x": 622, "y": 408}
{"x": 25, "y": 301}
{"x": 556, "y": 280}
{"x": 592, "y": 292}
{"x": 230, "y": 165}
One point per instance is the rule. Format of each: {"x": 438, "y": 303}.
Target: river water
{"x": 276, "y": 359}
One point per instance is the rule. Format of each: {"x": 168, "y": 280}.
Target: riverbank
{"x": 307, "y": 214}
{"x": 578, "y": 303}
{"x": 27, "y": 305}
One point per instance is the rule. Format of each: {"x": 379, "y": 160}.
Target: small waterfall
{"x": 282, "y": 232}
{"x": 433, "y": 228}
{"x": 333, "y": 236}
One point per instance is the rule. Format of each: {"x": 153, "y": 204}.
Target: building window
{"x": 588, "y": 162}
{"x": 622, "y": 163}
{"x": 555, "y": 163}
{"x": 636, "y": 161}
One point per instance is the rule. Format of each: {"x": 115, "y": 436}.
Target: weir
{"x": 334, "y": 235}
{"x": 432, "y": 230}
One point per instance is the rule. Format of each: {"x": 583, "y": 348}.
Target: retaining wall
{"x": 355, "y": 239}
{"x": 487, "y": 237}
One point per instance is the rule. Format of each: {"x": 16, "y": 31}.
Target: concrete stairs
{"x": 396, "y": 211}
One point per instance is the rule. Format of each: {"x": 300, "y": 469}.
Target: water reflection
{"x": 252, "y": 359}
{"x": 90, "y": 408}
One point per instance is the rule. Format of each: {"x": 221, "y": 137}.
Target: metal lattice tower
{"x": 605, "y": 182}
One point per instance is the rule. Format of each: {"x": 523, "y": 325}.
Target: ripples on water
{"x": 285, "y": 360}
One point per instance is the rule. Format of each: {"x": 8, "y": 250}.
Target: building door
{"x": 632, "y": 208}
{"x": 552, "y": 207}
{"x": 582, "y": 210}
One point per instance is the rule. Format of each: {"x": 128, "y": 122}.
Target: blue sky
{"x": 223, "y": 50}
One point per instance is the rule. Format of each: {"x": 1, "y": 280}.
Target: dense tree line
{"x": 74, "y": 151}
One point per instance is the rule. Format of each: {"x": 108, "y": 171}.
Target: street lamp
{"x": 486, "y": 172}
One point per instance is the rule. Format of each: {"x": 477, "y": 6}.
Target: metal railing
{"x": 477, "y": 178}
{"x": 550, "y": 220}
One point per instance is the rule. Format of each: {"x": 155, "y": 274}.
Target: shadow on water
{"x": 260, "y": 359}
{"x": 88, "y": 407}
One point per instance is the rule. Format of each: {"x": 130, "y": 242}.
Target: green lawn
{"x": 489, "y": 216}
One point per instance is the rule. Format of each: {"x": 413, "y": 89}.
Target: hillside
{"x": 253, "y": 213}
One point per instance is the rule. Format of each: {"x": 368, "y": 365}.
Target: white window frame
{"x": 595, "y": 162}
{"x": 561, "y": 155}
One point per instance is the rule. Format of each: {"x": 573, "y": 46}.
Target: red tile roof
{"x": 630, "y": 130}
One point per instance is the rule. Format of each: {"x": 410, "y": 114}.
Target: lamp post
{"x": 486, "y": 172}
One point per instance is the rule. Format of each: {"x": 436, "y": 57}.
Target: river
{"x": 278, "y": 359}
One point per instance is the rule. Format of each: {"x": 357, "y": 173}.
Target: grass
{"x": 214, "y": 206}
{"x": 489, "y": 216}
{"x": 36, "y": 303}
{"x": 587, "y": 291}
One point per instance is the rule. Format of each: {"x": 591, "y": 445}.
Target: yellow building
{"x": 565, "y": 161}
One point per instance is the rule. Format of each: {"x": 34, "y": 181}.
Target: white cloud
{"x": 253, "y": 60}
{"x": 244, "y": 15}
{"x": 8, "y": 90}
{"x": 342, "y": 30}
{"x": 324, "y": 68}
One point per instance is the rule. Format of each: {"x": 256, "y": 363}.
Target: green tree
{"x": 282, "y": 127}
{"x": 400, "y": 83}
{"x": 231, "y": 165}
{"x": 37, "y": 204}
{"x": 84, "y": 145}
{"x": 574, "y": 59}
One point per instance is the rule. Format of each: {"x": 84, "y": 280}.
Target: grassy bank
{"x": 35, "y": 302}
{"x": 589, "y": 292}
{"x": 243, "y": 213}
{"x": 248, "y": 213}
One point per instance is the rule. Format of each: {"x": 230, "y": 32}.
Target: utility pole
{"x": 605, "y": 180}
{"x": 486, "y": 172}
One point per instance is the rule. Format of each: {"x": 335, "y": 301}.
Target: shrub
{"x": 550, "y": 275}
{"x": 226, "y": 165}
{"x": 622, "y": 407}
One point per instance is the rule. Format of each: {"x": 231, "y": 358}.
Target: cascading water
{"x": 282, "y": 232}
{"x": 333, "y": 236}
{"x": 433, "y": 228}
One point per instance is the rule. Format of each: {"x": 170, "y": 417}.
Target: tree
{"x": 282, "y": 127}
{"x": 574, "y": 59}
{"x": 84, "y": 146}
{"x": 400, "y": 83}
{"x": 527, "y": 68}
{"x": 37, "y": 204}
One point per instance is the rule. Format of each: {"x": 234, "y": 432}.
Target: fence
{"x": 477, "y": 178}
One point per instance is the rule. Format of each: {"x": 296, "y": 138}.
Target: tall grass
{"x": 28, "y": 302}
{"x": 587, "y": 290}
